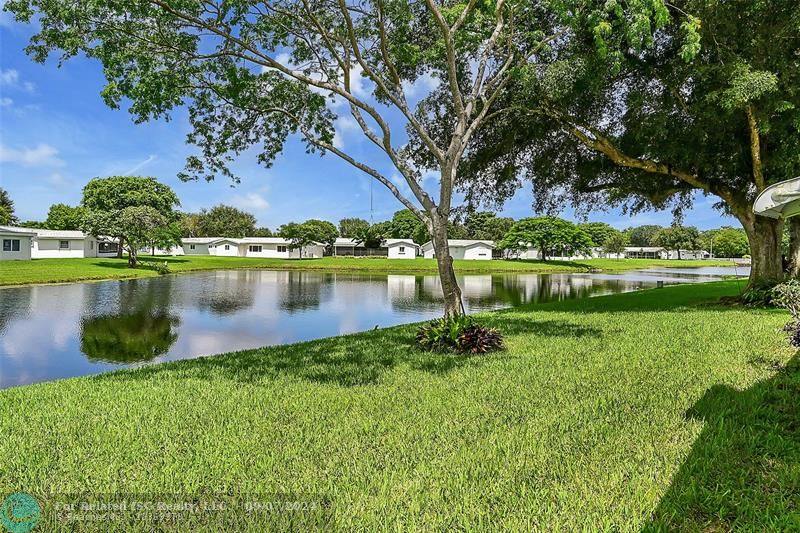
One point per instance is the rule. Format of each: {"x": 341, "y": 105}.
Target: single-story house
{"x": 346, "y": 247}
{"x": 645, "y": 252}
{"x": 53, "y": 244}
{"x": 689, "y": 254}
{"x": 15, "y": 244}
{"x": 401, "y": 248}
{"x": 463, "y": 249}
{"x": 276, "y": 247}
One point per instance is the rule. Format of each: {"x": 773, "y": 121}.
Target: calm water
{"x": 56, "y": 331}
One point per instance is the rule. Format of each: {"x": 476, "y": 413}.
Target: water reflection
{"x": 130, "y": 338}
{"x": 54, "y": 331}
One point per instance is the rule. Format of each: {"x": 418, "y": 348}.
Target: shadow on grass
{"x": 743, "y": 473}
{"x": 351, "y": 360}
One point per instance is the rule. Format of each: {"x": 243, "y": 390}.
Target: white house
{"x": 689, "y": 254}
{"x": 645, "y": 252}
{"x": 463, "y": 249}
{"x": 401, "y": 248}
{"x": 54, "y": 244}
{"x": 276, "y": 247}
{"x": 391, "y": 248}
{"x": 15, "y": 244}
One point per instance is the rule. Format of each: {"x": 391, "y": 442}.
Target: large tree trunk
{"x": 450, "y": 288}
{"x": 794, "y": 247}
{"x": 765, "y": 236}
{"x": 120, "y": 242}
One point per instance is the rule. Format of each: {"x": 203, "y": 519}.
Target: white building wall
{"x": 478, "y": 252}
{"x": 51, "y": 249}
{"x": 24, "y": 252}
{"x": 228, "y": 249}
{"x": 409, "y": 251}
{"x": 267, "y": 250}
{"x": 195, "y": 249}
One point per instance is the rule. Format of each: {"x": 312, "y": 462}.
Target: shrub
{"x": 787, "y": 296}
{"x": 760, "y": 294}
{"x": 161, "y": 268}
{"x": 459, "y": 334}
{"x": 479, "y": 339}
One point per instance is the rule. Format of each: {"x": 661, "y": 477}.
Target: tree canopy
{"x": 711, "y": 106}
{"x": 219, "y": 221}
{"x": 7, "y": 216}
{"x": 253, "y": 74}
{"x": 353, "y": 227}
{"x": 130, "y": 208}
{"x": 549, "y": 235}
{"x": 65, "y": 217}
{"x": 678, "y": 238}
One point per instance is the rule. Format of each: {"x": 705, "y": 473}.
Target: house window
{"x": 11, "y": 245}
{"x": 91, "y": 245}
{"x": 191, "y": 246}
{"x": 63, "y": 245}
{"x": 281, "y": 249}
{"x": 402, "y": 250}
{"x": 227, "y": 246}
{"x": 255, "y": 248}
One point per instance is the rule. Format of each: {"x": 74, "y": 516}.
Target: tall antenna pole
{"x": 371, "y": 210}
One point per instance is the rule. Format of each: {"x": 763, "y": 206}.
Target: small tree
{"x": 679, "y": 238}
{"x": 105, "y": 199}
{"x": 65, "y": 217}
{"x": 225, "y": 221}
{"x": 615, "y": 244}
{"x": 309, "y": 232}
{"x": 6, "y": 208}
{"x": 352, "y": 227}
{"x": 643, "y": 235}
{"x": 484, "y": 225}
{"x": 600, "y": 232}
{"x": 137, "y": 227}
{"x": 548, "y": 235}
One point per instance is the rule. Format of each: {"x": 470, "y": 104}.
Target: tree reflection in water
{"x": 128, "y": 338}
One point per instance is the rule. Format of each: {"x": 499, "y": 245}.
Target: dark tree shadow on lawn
{"x": 743, "y": 473}
{"x": 351, "y": 360}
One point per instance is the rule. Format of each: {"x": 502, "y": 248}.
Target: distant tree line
{"x": 104, "y": 199}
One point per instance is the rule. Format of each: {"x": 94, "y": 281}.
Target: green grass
{"x": 657, "y": 410}
{"x": 65, "y": 270}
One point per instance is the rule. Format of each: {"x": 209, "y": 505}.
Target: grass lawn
{"x": 657, "y": 410}
{"x": 64, "y": 270}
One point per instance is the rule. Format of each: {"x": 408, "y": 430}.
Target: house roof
{"x": 390, "y": 242}
{"x": 465, "y": 243}
{"x": 5, "y": 230}
{"x": 199, "y": 240}
{"x": 244, "y": 240}
{"x": 47, "y": 233}
{"x": 644, "y": 249}
{"x": 346, "y": 241}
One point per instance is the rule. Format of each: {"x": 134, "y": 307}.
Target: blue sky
{"x": 56, "y": 134}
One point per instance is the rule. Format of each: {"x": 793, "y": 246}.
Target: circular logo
{"x": 19, "y": 512}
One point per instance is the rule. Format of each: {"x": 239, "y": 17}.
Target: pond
{"x": 56, "y": 331}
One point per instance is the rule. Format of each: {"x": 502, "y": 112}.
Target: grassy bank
{"x": 658, "y": 409}
{"x": 65, "y": 270}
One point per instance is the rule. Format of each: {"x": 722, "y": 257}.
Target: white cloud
{"x": 6, "y": 102}
{"x": 342, "y": 127}
{"x": 56, "y": 179}
{"x": 421, "y": 87}
{"x": 250, "y": 200}
{"x": 41, "y": 155}
{"x": 10, "y": 78}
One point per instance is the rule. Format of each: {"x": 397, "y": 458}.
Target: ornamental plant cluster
{"x": 787, "y": 296}
{"x": 458, "y": 334}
